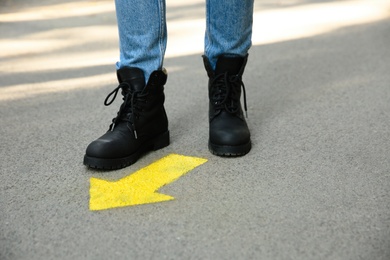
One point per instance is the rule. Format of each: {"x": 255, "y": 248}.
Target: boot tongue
{"x": 230, "y": 64}
{"x": 134, "y": 76}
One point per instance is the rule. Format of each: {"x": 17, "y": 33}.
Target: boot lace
{"x": 129, "y": 110}
{"x": 225, "y": 93}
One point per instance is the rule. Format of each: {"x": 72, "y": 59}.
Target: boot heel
{"x": 161, "y": 141}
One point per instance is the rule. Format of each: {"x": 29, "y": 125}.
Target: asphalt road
{"x": 316, "y": 184}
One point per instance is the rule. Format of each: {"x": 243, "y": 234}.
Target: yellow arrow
{"x": 141, "y": 186}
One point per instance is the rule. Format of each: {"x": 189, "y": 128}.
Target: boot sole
{"x": 154, "y": 144}
{"x": 230, "y": 151}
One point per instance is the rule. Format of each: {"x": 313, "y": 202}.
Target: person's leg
{"x": 227, "y": 41}
{"x": 228, "y": 28}
{"x": 142, "y": 34}
{"x": 141, "y": 125}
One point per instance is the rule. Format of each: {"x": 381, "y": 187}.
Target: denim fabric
{"x": 228, "y": 28}
{"x": 143, "y": 32}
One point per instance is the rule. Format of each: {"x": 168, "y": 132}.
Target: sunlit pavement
{"x": 316, "y": 184}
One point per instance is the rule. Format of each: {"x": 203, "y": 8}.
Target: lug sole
{"x": 230, "y": 151}
{"x": 154, "y": 144}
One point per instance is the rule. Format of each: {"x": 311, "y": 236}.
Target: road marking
{"x": 140, "y": 187}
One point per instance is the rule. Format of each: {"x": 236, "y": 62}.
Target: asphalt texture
{"x": 316, "y": 184}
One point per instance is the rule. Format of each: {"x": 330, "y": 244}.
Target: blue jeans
{"x": 143, "y": 32}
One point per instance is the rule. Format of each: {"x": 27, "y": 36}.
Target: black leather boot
{"x": 141, "y": 124}
{"x": 229, "y": 133}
